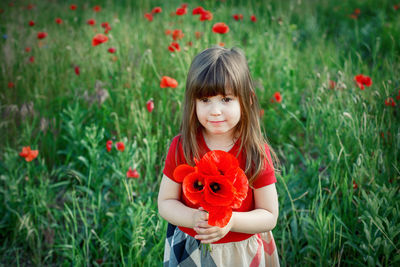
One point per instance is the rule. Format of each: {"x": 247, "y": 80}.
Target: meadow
{"x": 99, "y": 124}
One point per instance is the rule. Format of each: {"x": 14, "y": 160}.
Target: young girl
{"x": 221, "y": 112}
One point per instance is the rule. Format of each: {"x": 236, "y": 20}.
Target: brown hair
{"x": 211, "y": 73}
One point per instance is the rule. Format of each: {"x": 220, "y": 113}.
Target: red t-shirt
{"x": 266, "y": 177}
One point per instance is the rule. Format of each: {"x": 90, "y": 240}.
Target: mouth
{"x": 216, "y": 122}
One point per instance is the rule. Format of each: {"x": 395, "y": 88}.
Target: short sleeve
{"x": 266, "y": 176}
{"x": 172, "y": 159}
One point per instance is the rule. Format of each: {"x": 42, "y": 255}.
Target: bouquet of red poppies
{"x": 216, "y": 183}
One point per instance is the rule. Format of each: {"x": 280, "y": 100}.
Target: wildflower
{"x": 120, "y": 146}
{"x": 149, "y": 16}
{"x": 332, "y": 84}
{"x": 237, "y": 17}
{"x": 28, "y": 154}
{"x": 206, "y": 15}
{"x": 77, "y": 70}
{"x": 31, "y": 23}
{"x": 73, "y": 7}
{"x": 278, "y": 97}
{"x": 355, "y": 186}
{"x": 220, "y": 28}
{"x": 198, "y": 34}
{"x": 27, "y": 49}
{"x": 168, "y": 82}
{"x": 396, "y": 7}
{"x": 167, "y": 32}
{"x": 32, "y": 59}
{"x": 177, "y": 35}
{"x": 109, "y": 145}
{"x": 362, "y": 80}
{"x": 198, "y": 10}
{"x": 41, "y": 35}
{"x": 99, "y": 39}
{"x": 174, "y": 47}
{"x": 390, "y": 102}
{"x": 59, "y": 21}
{"x": 105, "y": 25}
{"x": 107, "y": 29}
{"x": 253, "y": 18}
{"x": 91, "y": 22}
{"x": 150, "y": 105}
{"x": 11, "y": 85}
{"x": 190, "y": 43}
{"x": 181, "y": 11}
{"x": 156, "y": 10}
{"x": 96, "y": 8}
{"x": 111, "y": 50}
{"x": 132, "y": 173}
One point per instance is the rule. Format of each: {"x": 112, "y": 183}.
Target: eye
{"x": 226, "y": 99}
{"x": 204, "y": 99}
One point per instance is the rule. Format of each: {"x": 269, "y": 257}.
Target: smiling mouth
{"x": 216, "y": 121}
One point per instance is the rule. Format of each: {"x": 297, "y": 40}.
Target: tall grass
{"x": 339, "y": 147}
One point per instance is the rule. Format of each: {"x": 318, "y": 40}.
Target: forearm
{"x": 176, "y": 213}
{"x": 252, "y": 222}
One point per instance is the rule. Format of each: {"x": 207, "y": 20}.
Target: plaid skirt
{"x": 183, "y": 250}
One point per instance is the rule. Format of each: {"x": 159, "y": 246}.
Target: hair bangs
{"x": 214, "y": 80}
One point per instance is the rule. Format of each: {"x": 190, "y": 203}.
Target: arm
{"x": 263, "y": 218}
{"x": 172, "y": 209}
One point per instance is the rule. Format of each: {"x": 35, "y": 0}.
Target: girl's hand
{"x": 209, "y": 234}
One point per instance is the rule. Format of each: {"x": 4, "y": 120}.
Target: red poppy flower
{"x": 41, "y": 35}
{"x": 149, "y": 16}
{"x": 10, "y": 85}
{"x": 181, "y": 11}
{"x": 198, "y": 10}
{"x": 32, "y": 59}
{"x": 357, "y": 11}
{"x": 190, "y": 43}
{"x": 168, "y": 82}
{"x": 362, "y": 80}
{"x": 156, "y": 10}
{"x": 107, "y": 29}
{"x": 177, "y": 35}
{"x": 109, "y": 145}
{"x": 73, "y": 7}
{"x": 96, "y": 8}
{"x": 193, "y": 186}
{"x": 58, "y": 21}
{"x": 132, "y": 173}
{"x": 355, "y": 186}
{"x": 390, "y": 102}
{"x": 30, "y": 6}
{"x": 174, "y": 47}
{"x": 111, "y": 50}
{"x": 28, "y": 154}
{"x": 220, "y": 28}
{"x": 150, "y": 105}
{"x": 99, "y": 39}
{"x": 198, "y": 35}
{"x": 396, "y": 7}
{"x": 27, "y": 49}
{"x": 332, "y": 84}
{"x": 237, "y": 16}
{"x": 167, "y": 32}
{"x": 278, "y": 97}
{"x": 253, "y": 18}
{"x": 31, "y": 23}
{"x": 77, "y": 70}
{"x": 105, "y": 24}
{"x": 206, "y": 15}
{"x": 91, "y": 22}
{"x": 120, "y": 146}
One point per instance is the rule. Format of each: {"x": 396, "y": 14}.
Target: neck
{"x": 219, "y": 141}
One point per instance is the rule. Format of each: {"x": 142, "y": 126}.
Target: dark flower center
{"x": 198, "y": 185}
{"x": 215, "y": 187}
{"x": 221, "y": 172}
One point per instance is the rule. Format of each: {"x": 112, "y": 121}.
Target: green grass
{"x": 74, "y": 205}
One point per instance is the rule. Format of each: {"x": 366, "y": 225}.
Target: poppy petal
{"x": 182, "y": 171}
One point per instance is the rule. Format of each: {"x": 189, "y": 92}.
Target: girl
{"x": 221, "y": 112}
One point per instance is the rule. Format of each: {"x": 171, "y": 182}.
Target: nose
{"x": 215, "y": 109}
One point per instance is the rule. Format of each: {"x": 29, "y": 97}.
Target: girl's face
{"x": 218, "y": 114}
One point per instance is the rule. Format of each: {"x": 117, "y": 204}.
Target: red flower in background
{"x": 237, "y": 16}
{"x": 332, "y": 84}
{"x": 97, "y": 8}
{"x": 148, "y": 16}
{"x": 120, "y": 146}
{"x": 77, "y": 70}
{"x": 198, "y": 10}
{"x": 31, "y": 23}
{"x": 59, "y": 21}
{"x": 206, "y": 15}
{"x": 99, "y": 39}
{"x": 390, "y": 102}
{"x": 253, "y": 18}
{"x": 105, "y": 24}
{"x": 168, "y": 82}
{"x": 198, "y": 35}
{"x": 41, "y": 35}
{"x": 177, "y": 35}
{"x": 73, "y": 7}
{"x": 132, "y": 173}
{"x": 32, "y": 59}
{"x": 27, "y": 49}
{"x": 220, "y": 28}
{"x": 109, "y": 145}
{"x": 174, "y": 47}
{"x": 111, "y": 50}
{"x": 217, "y": 184}
{"x": 150, "y": 105}
{"x": 156, "y": 10}
{"x": 10, "y": 85}
{"x": 362, "y": 80}
{"x": 91, "y": 22}
{"x": 278, "y": 97}
{"x": 167, "y": 32}
{"x": 181, "y": 11}
{"x": 28, "y": 154}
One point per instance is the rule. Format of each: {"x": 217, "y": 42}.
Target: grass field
{"x": 73, "y": 203}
